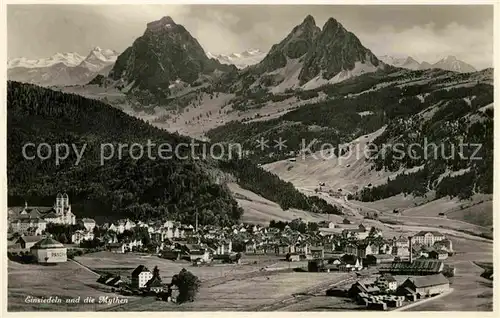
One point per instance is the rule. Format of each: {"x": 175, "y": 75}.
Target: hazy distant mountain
{"x": 240, "y": 60}
{"x": 450, "y": 63}
{"x": 62, "y": 69}
{"x": 405, "y": 62}
{"x": 68, "y": 59}
{"x": 99, "y": 58}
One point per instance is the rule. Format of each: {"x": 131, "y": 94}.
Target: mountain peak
{"x": 410, "y": 59}
{"x": 309, "y": 20}
{"x": 164, "y": 23}
{"x": 332, "y": 25}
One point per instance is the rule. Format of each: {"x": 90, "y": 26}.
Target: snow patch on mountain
{"x": 289, "y": 74}
{"x": 359, "y": 69}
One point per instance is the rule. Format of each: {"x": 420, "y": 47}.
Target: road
{"x": 354, "y": 211}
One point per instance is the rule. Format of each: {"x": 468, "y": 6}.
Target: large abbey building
{"x": 33, "y": 220}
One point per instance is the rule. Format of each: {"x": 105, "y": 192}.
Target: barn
{"x": 425, "y": 286}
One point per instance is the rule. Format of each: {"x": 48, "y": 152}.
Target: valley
{"x": 354, "y": 172}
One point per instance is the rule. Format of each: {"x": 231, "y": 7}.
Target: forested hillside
{"x": 253, "y": 178}
{"x": 461, "y": 115}
{"x": 434, "y": 106}
{"x": 141, "y": 188}
{"x": 126, "y": 187}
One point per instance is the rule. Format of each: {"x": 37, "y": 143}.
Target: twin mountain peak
{"x": 167, "y": 52}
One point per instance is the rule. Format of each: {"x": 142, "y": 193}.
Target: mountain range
{"x": 240, "y": 60}
{"x": 62, "y": 69}
{"x": 308, "y": 57}
{"x": 449, "y": 63}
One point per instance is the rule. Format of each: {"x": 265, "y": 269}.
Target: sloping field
{"x": 347, "y": 172}
{"x": 245, "y": 295}
{"x": 65, "y": 280}
{"x": 261, "y": 211}
{"x": 124, "y": 264}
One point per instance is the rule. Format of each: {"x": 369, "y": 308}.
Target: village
{"x": 374, "y": 272}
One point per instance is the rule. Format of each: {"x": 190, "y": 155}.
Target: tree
{"x": 156, "y": 273}
{"x": 188, "y": 285}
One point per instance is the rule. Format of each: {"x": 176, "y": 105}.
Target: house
{"x": 425, "y": 286}
{"x": 302, "y": 248}
{"x": 197, "y": 252}
{"x": 326, "y": 224}
{"x": 112, "y": 227}
{"x": 88, "y": 224}
{"x": 27, "y": 224}
{"x": 124, "y": 225}
{"x": 172, "y": 254}
{"x": 417, "y": 267}
{"x": 168, "y": 224}
{"x": 140, "y": 276}
{"x": 387, "y": 282}
{"x": 329, "y": 247}
{"x": 376, "y": 259}
{"x": 317, "y": 252}
{"x": 445, "y": 244}
{"x": 359, "y": 287}
{"x": 115, "y": 281}
{"x": 360, "y": 250}
{"x": 359, "y": 231}
{"x": 27, "y": 242}
{"x": 155, "y": 285}
{"x": 224, "y": 247}
{"x": 49, "y": 251}
{"x": 401, "y": 246}
{"x": 80, "y": 236}
{"x": 439, "y": 254}
{"x": 116, "y": 248}
{"x": 427, "y": 238}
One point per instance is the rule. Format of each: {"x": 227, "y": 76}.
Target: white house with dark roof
{"x": 140, "y": 276}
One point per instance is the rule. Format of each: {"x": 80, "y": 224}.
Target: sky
{"x": 427, "y": 33}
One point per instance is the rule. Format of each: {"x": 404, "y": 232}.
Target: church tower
{"x": 65, "y": 201}
{"x": 59, "y": 204}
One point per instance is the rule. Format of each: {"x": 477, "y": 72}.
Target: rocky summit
{"x": 165, "y": 53}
